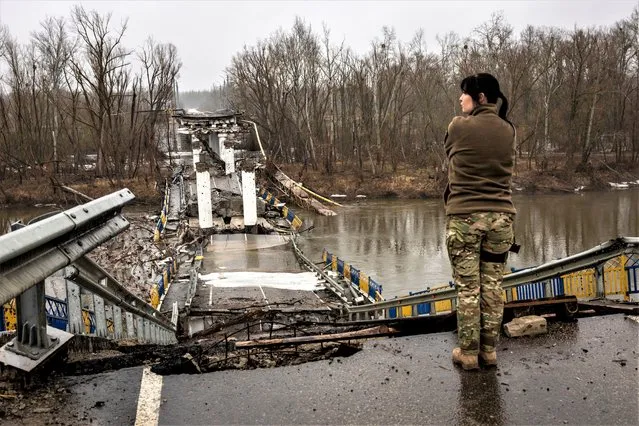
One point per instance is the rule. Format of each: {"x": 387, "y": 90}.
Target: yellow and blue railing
{"x": 57, "y": 316}
{"x": 162, "y": 282}
{"x": 620, "y": 278}
{"x": 288, "y": 214}
{"x": 57, "y": 310}
{"x": 161, "y": 224}
{"x": 365, "y": 284}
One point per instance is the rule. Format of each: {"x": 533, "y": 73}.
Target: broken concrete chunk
{"x": 530, "y": 325}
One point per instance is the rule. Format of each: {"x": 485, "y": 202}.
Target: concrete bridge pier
{"x": 203, "y": 182}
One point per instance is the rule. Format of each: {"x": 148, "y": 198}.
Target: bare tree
{"x": 100, "y": 72}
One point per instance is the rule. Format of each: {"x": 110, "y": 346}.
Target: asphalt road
{"x": 572, "y": 376}
{"x": 580, "y": 373}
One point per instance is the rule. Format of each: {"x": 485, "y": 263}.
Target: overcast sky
{"x": 208, "y": 33}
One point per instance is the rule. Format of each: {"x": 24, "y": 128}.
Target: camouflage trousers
{"x": 477, "y": 246}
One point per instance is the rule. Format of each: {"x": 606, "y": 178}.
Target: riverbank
{"x": 414, "y": 183}
{"x": 42, "y": 191}
{"x": 404, "y": 183}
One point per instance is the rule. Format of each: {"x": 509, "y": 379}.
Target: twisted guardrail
{"x": 60, "y": 242}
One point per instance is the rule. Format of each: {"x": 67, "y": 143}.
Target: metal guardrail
{"x": 164, "y": 214}
{"x": 359, "y": 281}
{"x": 295, "y": 221}
{"x": 93, "y": 278}
{"x": 193, "y": 277}
{"x": 336, "y": 288}
{"x": 60, "y": 242}
{"x": 594, "y": 257}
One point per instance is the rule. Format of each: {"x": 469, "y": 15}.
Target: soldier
{"x": 479, "y": 228}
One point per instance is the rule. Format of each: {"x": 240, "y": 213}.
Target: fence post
{"x": 147, "y": 330}
{"x": 74, "y": 304}
{"x": 130, "y": 327}
{"x": 117, "y": 322}
{"x": 599, "y": 276}
{"x": 140, "y": 329}
{"x": 100, "y": 317}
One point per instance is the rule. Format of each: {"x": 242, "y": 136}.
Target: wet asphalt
{"x": 580, "y": 373}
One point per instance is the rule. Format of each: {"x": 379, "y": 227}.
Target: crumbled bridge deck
{"x": 243, "y": 271}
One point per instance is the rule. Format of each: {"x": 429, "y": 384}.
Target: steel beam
{"x": 95, "y": 279}
{"x": 117, "y": 295}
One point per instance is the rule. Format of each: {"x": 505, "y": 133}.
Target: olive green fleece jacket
{"x": 481, "y": 154}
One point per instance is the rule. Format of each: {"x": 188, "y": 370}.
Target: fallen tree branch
{"x": 220, "y": 325}
{"x": 73, "y": 191}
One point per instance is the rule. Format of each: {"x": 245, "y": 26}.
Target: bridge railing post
{"x": 117, "y": 323}
{"x": 130, "y": 327}
{"x": 599, "y": 276}
{"x": 100, "y": 317}
{"x": 32, "y": 338}
{"x": 140, "y": 329}
{"x": 147, "y": 330}
{"x": 74, "y": 306}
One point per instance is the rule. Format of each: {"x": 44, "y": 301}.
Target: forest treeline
{"x": 574, "y": 94}
{"x": 75, "y": 99}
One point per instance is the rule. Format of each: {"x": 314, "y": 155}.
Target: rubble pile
{"x": 132, "y": 257}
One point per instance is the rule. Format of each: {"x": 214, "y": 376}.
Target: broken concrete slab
{"x": 530, "y": 325}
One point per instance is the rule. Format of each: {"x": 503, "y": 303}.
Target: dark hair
{"x": 488, "y": 85}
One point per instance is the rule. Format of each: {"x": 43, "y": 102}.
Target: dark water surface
{"x": 402, "y": 245}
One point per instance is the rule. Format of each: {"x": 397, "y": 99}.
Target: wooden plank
{"x": 381, "y": 330}
{"x": 608, "y": 307}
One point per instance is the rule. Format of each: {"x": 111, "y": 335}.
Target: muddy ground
{"x": 412, "y": 183}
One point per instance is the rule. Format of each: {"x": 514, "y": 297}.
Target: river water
{"x": 401, "y": 243}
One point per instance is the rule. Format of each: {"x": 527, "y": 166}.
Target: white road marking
{"x": 149, "y": 400}
{"x": 634, "y": 318}
{"x": 268, "y": 305}
{"x": 303, "y": 281}
{"x": 210, "y": 295}
{"x": 262, "y": 290}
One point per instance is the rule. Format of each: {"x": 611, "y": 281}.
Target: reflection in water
{"x": 480, "y": 399}
{"x": 10, "y": 215}
{"x": 401, "y": 243}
